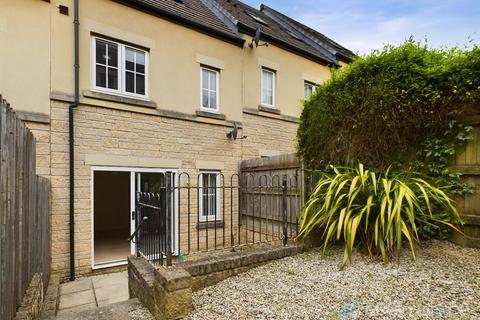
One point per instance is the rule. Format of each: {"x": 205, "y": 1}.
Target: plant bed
{"x": 442, "y": 283}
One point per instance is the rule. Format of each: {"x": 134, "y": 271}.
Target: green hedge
{"x": 385, "y": 107}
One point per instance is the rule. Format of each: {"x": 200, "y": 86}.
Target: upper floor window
{"x": 268, "y": 88}
{"x": 309, "y": 88}
{"x": 210, "y": 89}
{"x": 119, "y": 68}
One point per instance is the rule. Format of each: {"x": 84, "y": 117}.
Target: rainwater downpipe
{"x": 76, "y": 24}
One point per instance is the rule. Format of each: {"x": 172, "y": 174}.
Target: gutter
{"x": 76, "y": 102}
{"x": 150, "y": 9}
{"x": 285, "y": 45}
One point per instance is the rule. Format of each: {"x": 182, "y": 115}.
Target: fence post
{"x": 169, "y": 210}
{"x": 284, "y": 201}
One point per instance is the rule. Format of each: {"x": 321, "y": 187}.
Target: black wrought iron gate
{"x": 154, "y": 220}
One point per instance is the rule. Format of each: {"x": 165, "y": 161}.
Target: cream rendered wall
{"x": 174, "y": 69}
{"x": 291, "y": 72}
{"x": 25, "y": 54}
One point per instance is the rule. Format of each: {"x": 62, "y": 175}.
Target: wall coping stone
{"x": 174, "y": 278}
{"x": 167, "y": 291}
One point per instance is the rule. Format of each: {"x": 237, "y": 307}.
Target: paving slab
{"x": 102, "y": 303}
{"x": 73, "y": 310}
{"x": 109, "y": 279}
{"x": 76, "y": 299}
{"x": 126, "y": 310}
{"x": 76, "y": 286}
{"x": 113, "y": 291}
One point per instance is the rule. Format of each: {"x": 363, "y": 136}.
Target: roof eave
{"x": 285, "y": 45}
{"x": 230, "y": 38}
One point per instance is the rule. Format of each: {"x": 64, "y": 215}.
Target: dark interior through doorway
{"x": 111, "y": 216}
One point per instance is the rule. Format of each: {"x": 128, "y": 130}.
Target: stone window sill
{"x": 210, "y": 224}
{"x": 268, "y": 109}
{"x": 212, "y": 115}
{"x": 119, "y": 99}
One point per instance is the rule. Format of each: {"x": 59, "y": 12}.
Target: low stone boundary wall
{"x": 33, "y": 299}
{"x": 209, "y": 271}
{"x": 50, "y": 304}
{"x": 167, "y": 292}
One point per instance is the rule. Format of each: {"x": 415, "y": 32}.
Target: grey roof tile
{"x": 254, "y": 18}
{"x": 192, "y": 12}
{"x": 229, "y": 18}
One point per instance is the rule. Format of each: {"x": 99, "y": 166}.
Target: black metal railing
{"x": 188, "y": 214}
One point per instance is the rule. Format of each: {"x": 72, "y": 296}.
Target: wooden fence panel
{"x": 262, "y": 193}
{"x": 24, "y": 213}
{"x": 467, "y": 161}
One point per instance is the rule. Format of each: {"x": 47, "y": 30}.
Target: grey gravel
{"x": 442, "y": 283}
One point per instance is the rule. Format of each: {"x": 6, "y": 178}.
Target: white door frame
{"x": 132, "y": 171}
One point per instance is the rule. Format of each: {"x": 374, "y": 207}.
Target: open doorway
{"x": 111, "y": 205}
{"x": 114, "y": 192}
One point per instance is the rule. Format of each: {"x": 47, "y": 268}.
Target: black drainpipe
{"x": 75, "y": 104}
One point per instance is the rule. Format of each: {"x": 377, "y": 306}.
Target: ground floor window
{"x": 209, "y": 196}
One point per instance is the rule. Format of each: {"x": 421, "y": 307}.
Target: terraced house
{"x": 125, "y": 94}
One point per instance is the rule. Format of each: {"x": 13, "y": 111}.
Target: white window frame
{"x": 121, "y": 91}
{"x": 274, "y": 81}
{"x": 217, "y": 106}
{"x": 311, "y": 84}
{"x": 218, "y": 216}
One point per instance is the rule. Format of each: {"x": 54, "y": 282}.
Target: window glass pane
{"x": 112, "y": 78}
{"x": 129, "y": 82}
{"x": 205, "y": 203}
{"x": 101, "y": 76}
{"x": 204, "y": 79}
{"x": 269, "y": 98}
{"x": 101, "y": 51}
{"x": 307, "y": 90}
{"x": 267, "y": 87}
{"x": 129, "y": 59}
{"x": 213, "y": 81}
{"x": 213, "y": 100}
{"x": 204, "y": 98}
{"x": 140, "y": 62}
{"x": 112, "y": 55}
{"x": 209, "y": 195}
{"x": 140, "y": 84}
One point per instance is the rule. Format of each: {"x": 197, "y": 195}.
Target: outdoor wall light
{"x": 233, "y": 134}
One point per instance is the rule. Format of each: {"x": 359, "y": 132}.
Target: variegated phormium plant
{"x": 358, "y": 206}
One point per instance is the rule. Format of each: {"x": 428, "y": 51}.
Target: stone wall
{"x": 209, "y": 271}
{"x": 105, "y": 136}
{"x": 167, "y": 292}
{"x": 32, "y": 301}
{"x": 268, "y": 136}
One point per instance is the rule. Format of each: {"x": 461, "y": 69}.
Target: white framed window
{"x": 209, "y": 89}
{"x": 268, "y": 88}
{"x": 209, "y": 196}
{"x": 309, "y": 89}
{"x": 119, "y": 68}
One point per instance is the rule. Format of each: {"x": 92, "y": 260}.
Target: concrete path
{"x": 90, "y": 293}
